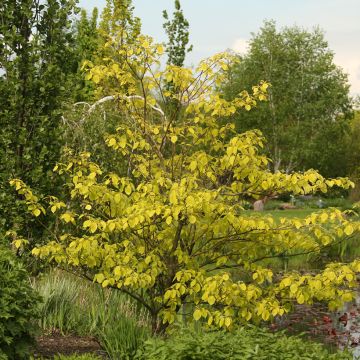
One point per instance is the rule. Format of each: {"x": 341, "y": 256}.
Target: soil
{"x": 47, "y": 346}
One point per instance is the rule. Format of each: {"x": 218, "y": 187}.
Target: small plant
{"x": 18, "y": 304}
{"x": 122, "y": 337}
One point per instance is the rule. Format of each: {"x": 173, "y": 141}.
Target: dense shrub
{"x": 18, "y": 307}
{"x": 245, "y": 343}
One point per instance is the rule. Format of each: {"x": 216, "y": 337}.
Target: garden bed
{"x": 54, "y": 344}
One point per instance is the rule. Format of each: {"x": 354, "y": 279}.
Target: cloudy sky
{"x": 219, "y": 25}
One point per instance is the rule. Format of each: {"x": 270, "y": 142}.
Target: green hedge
{"x": 18, "y": 307}
{"x": 245, "y": 343}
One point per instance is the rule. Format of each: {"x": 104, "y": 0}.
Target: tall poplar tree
{"x": 177, "y": 30}
{"x": 35, "y": 60}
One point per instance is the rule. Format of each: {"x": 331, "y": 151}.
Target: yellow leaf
{"x": 99, "y": 278}
{"x": 224, "y": 66}
{"x": 127, "y": 189}
{"x": 36, "y": 212}
{"x": 331, "y": 275}
{"x": 192, "y": 219}
{"x": 17, "y": 243}
{"x": 227, "y": 321}
{"x": 348, "y": 230}
{"x": 293, "y": 288}
{"x": 324, "y": 217}
{"x": 193, "y": 165}
{"x": 160, "y": 49}
{"x": 35, "y": 252}
{"x": 93, "y": 227}
{"x": 197, "y": 314}
{"x": 348, "y": 296}
{"x": 173, "y": 197}
{"x": 67, "y": 217}
{"x": 211, "y": 300}
{"x": 264, "y": 86}
{"x": 286, "y": 282}
{"x": 300, "y": 299}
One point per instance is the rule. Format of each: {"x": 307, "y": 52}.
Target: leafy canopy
{"x": 172, "y": 229}
{"x": 309, "y": 107}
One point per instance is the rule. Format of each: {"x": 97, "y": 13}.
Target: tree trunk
{"x": 157, "y": 326}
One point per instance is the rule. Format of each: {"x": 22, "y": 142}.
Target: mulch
{"x": 47, "y": 346}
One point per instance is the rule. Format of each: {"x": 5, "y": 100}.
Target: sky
{"x": 220, "y": 25}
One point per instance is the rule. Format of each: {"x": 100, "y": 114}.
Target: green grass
{"x": 278, "y": 214}
{"x": 295, "y": 213}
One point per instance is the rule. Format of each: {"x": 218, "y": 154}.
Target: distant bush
{"x": 18, "y": 307}
{"x": 245, "y": 343}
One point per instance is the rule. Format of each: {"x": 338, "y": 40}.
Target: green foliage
{"x": 73, "y": 305}
{"x": 18, "y": 309}
{"x": 86, "y": 42}
{"x": 35, "y": 62}
{"x": 177, "y": 31}
{"x": 121, "y": 337}
{"x": 353, "y": 154}
{"x": 307, "y": 116}
{"x": 245, "y": 343}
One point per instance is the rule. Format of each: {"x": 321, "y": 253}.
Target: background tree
{"x": 86, "y": 125}
{"x": 309, "y": 105}
{"x": 86, "y": 43}
{"x": 177, "y": 31}
{"x": 170, "y": 228}
{"x": 117, "y": 21}
{"x": 35, "y": 60}
{"x": 352, "y": 156}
